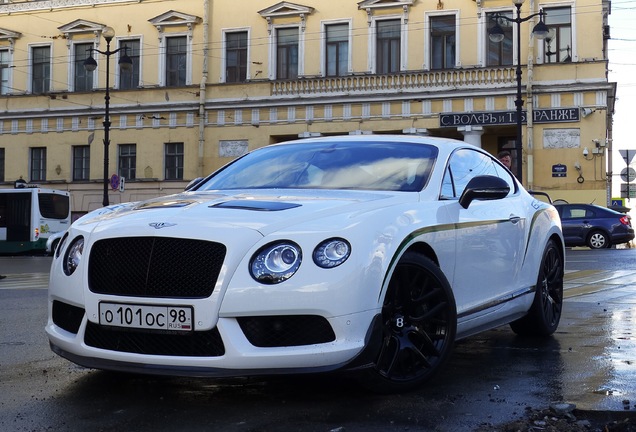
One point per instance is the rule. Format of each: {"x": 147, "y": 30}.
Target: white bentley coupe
{"x": 368, "y": 254}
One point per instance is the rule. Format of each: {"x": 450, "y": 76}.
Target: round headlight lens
{"x": 276, "y": 262}
{"x": 332, "y": 252}
{"x": 73, "y": 256}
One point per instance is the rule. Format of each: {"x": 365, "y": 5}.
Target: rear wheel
{"x": 598, "y": 240}
{"x": 545, "y": 313}
{"x": 419, "y": 323}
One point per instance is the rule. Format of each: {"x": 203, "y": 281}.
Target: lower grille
{"x": 190, "y": 344}
{"x": 155, "y": 267}
{"x": 67, "y": 316}
{"x": 286, "y": 330}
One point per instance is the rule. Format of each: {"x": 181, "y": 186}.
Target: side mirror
{"x": 193, "y": 183}
{"x": 485, "y": 187}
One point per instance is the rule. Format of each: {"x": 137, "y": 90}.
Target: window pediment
{"x": 286, "y": 9}
{"x": 81, "y": 26}
{"x": 383, "y": 4}
{"x": 370, "y": 5}
{"x": 9, "y": 35}
{"x": 174, "y": 18}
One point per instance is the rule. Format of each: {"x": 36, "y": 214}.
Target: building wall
{"x": 216, "y": 121}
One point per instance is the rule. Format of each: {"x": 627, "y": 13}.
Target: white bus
{"x": 29, "y": 215}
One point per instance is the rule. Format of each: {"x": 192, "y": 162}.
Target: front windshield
{"x": 386, "y": 166}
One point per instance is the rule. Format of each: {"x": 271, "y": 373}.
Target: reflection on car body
{"x": 594, "y": 226}
{"x": 367, "y": 254}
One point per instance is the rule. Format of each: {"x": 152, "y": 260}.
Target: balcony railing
{"x": 407, "y": 81}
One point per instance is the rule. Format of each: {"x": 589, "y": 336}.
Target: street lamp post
{"x": 496, "y": 34}
{"x": 90, "y": 65}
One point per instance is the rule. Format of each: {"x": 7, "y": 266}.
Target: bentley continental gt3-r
{"x": 368, "y": 254}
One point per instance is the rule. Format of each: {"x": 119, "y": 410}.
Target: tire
{"x": 598, "y": 240}
{"x": 419, "y": 324}
{"x": 545, "y": 313}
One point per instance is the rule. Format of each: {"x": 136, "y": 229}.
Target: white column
{"x": 472, "y": 134}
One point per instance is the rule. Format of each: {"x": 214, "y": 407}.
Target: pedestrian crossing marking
{"x": 25, "y": 281}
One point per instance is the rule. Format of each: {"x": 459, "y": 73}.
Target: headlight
{"x": 73, "y": 256}
{"x": 332, "y": 252}
{"x": 276, "y": 262}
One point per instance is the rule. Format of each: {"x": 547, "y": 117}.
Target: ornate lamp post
{"x": 90, "y": 65}
{"x": 496, "y": 34}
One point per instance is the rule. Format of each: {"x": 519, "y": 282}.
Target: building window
{"x": 443, "y": 42}
{"x": 337, "y": 50}
{"x": 1, "y": 165}
{"x": 128, "y": 161}
{"x": 388, "y": 46}
{"x": 38, "y": 164}
{"x": 83, "y": 79}
{"x": 558, "y": 44}
{"x": 81, "y": 163}
{"x": 129, "y": 79}
{"x": 236, "y": 57}
{"x": 4, "y": 71}
{"x": 41, "y": 69}
{"x": 287, "y": 53}
{"x": 499, "y": 53}
{"x": 174, "y": 161}
{"x": 176, "y": 60}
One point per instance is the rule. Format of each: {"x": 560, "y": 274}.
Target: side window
{"x": 577, "y": 213}
{"x": 464, "y": 165}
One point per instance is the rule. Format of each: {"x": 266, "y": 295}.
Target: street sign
{"x": 628, "y": 174}
{"x": 627, "y": 155}
{"x": 632, "y": 190}
{"x": 618, "y": 202}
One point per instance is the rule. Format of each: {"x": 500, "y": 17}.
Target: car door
{"x": 575, "y": 223}
{"x": 490, "y": 234}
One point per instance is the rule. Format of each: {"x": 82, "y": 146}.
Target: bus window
{"x": 53, "y": 206}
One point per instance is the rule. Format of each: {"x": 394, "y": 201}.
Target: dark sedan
{"x": 594, "y": 226}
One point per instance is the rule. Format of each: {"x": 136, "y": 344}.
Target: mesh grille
{"x": 279, "y": 331}
{"x": 155, "y": 267}
{"x": 188, "y": 344}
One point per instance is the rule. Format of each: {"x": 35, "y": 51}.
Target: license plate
{"x": 175, "y": 318}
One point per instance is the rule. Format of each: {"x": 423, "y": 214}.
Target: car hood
{"x": 264, "y": 211}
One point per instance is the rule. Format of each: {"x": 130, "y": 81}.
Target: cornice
{"x": 31, "y": 6}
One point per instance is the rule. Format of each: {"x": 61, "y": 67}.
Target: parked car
{"x": 594, "y": 226}
{"x": 367, "y": 254}
{"x": 52, "y": 242}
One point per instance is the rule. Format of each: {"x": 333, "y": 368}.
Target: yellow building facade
{"x": 212, "y": 79}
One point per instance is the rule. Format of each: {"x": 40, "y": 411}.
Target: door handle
{"x": 514, "y": 219}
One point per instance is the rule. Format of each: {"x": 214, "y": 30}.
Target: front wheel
{"x": 419, "y": 323}
{"x": 545, "y": 313}
{"x": 598, "y": 240}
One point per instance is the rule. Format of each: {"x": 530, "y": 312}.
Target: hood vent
{"x": 256, "y": 205}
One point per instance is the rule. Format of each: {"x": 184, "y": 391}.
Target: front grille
{"x": 67, "y": 316}
{"x": 286, "y": 330}
{"x": 155, "y": 267}
{"x": 186, "y": 344}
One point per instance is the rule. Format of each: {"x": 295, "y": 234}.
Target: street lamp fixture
{"x": 496, "y": 34}
{"x": 125, "y": 63}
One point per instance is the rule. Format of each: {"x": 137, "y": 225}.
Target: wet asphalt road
{"x": 491, "y": 378}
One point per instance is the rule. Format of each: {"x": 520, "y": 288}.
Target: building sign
{"x": 551, "y": 115}
{"x": 559, "y": 170}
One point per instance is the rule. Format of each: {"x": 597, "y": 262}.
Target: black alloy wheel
{"x": 545, "y": 313}
{"x": 419, "y": 325}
